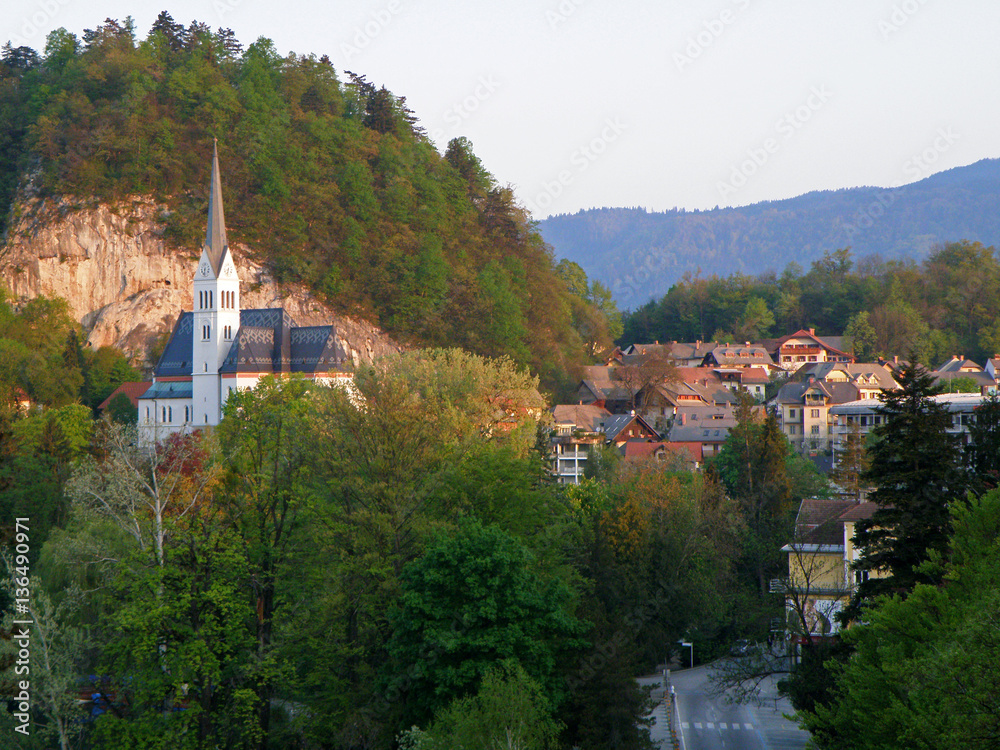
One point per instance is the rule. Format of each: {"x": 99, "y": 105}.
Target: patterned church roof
{"x": 268, "y": 341}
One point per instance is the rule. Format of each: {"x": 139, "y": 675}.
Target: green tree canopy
{"x": 470, "y": 602}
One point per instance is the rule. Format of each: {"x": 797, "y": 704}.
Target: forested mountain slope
{"x": 328, "y": 183}
{"x": 640, "y": 254}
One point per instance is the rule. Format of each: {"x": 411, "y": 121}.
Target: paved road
{"x": 708, "y": 723}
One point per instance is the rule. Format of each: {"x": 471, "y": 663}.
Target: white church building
{"x": 219, "y": 347}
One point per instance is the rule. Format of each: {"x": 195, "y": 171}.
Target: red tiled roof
{"x": 133, "y": 390}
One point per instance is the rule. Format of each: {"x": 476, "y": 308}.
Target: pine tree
{"x": 916, "y": 472}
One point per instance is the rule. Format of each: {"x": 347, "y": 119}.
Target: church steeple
{"x": 216, "y": 245}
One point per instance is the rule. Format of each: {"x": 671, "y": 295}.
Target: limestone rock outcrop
{"x": 127, "y": 286}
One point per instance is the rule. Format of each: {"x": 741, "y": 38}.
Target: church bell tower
{"x": 216, "y": 309}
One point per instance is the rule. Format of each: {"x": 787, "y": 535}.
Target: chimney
{"x": 697, "y": 344}
{"x": 812, "y": 331}
{"x": 656, "y": 342}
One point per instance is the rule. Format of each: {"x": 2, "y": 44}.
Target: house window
{"x": 860, "y": 576}
{"x": 791, "y": 429}
{"x": 815, "y": 429}
{"x": 864, "y": 421}
{"x": 791, "y": 413}
{"x": 814, "y": 413}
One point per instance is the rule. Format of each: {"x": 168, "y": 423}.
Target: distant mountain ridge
{"x": 640, "y": 254}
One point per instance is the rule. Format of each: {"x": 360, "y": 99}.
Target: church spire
{"x": 216, "y": 245}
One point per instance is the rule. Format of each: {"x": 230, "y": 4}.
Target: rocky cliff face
{"x": 127, "y": 286}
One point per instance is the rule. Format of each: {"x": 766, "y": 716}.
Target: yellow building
{"x": 820, "y": 579}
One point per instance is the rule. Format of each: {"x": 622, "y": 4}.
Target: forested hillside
{"x": 938, "y": 308}
{"x": 640, "y": 254}
{"x": 329, "y": 180}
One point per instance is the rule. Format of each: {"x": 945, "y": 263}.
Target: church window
{"x": 187, "y": 413}
{"x": 206, "y": 367}
{"x": 206, "y": 331}
{"x": 147, "y": 413}
{"x": 163, "y": 413}
{"x": 170, "y": 414}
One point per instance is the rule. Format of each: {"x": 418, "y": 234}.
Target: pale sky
{"x": 587, "y": 103}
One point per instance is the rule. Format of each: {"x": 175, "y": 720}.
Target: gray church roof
{"x": 268, "y": 341}
{"x": 169, "y": 389}
{"x": 176, "y": 358}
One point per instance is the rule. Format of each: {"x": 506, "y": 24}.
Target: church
{"x": 219, "y": 347}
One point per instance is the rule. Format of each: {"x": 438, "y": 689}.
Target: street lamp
{"x": 691, "y": 646}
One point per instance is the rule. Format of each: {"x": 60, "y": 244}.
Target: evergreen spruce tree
{"x": 916, "y": 472}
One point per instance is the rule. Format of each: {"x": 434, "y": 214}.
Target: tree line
{"x": 934, "y": 309}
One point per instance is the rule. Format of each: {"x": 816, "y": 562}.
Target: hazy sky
{"x": 583, "y": 103}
